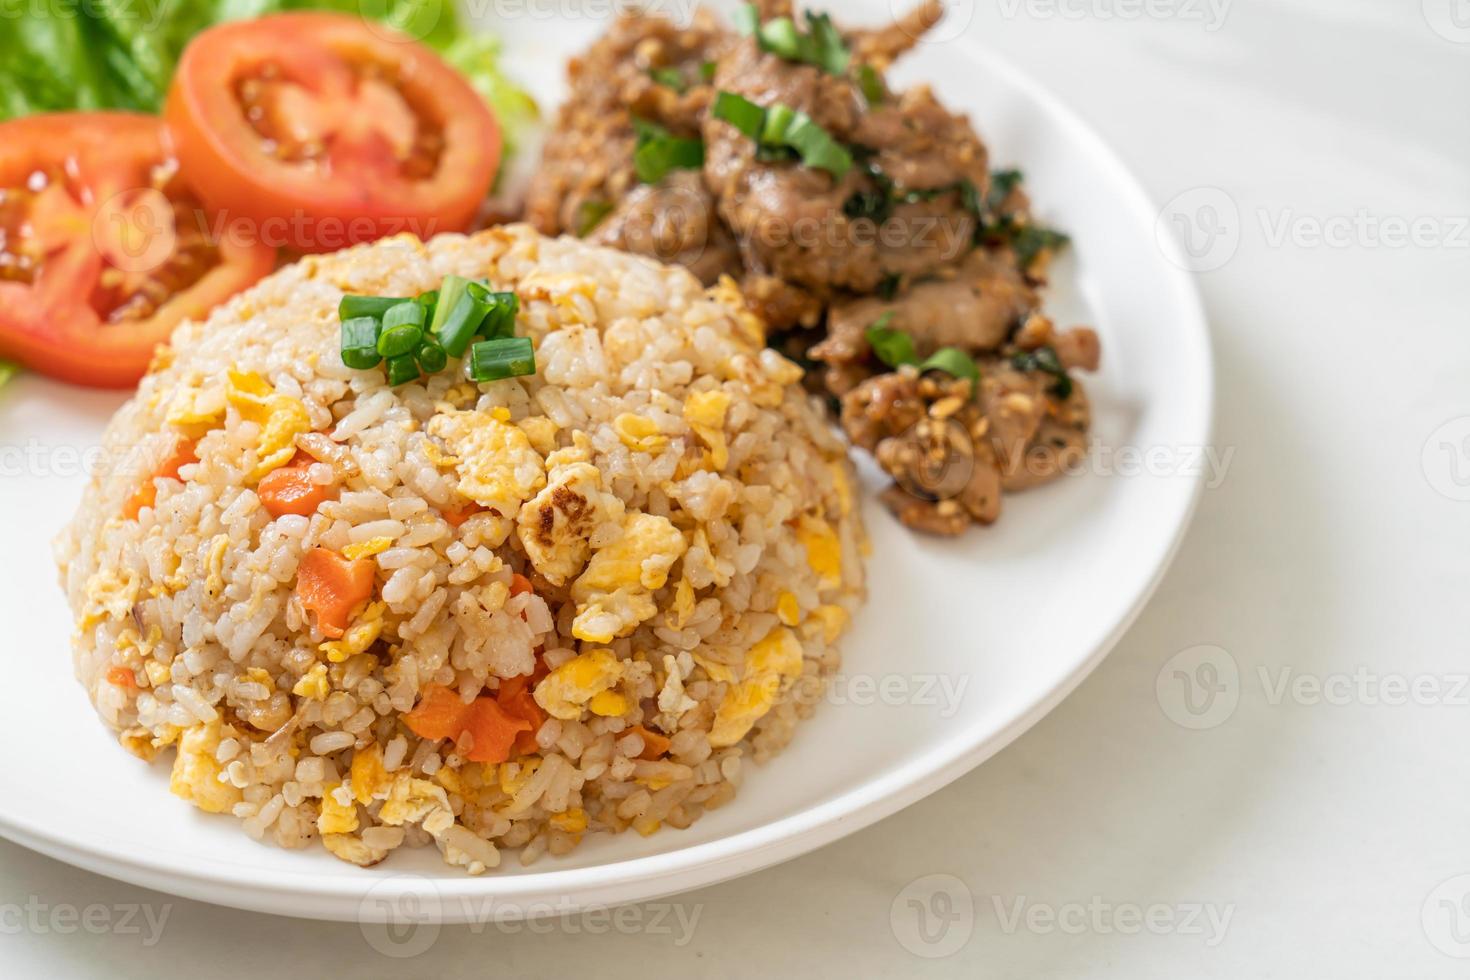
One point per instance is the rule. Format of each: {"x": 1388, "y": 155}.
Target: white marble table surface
{"x": 1320, "y": 825}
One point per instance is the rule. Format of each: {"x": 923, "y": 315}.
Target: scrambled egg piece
{"x": 197, "y": 410}
{"x": 368, "y": 548}
{"x": 614, "y": 594}
{"x": 609, "y": 704}
{"x": 110, "y": 596}
{"x": 572, "y": 821}
{"x": 352, "y": 850}
{"x": 336, "y": 818}
{"x": 705, "y": 413}
{"x": 555, "y": 525}
{"x": 566, "y": 690}
{"x": 281, "y": 419}
{"x": 787, "y": 609}
{"x": 776, "y": 657}
{"x": 367, "y": 774}
{"x": 683, "y": 604}
{"x": 416, "y": 801}
{"x": 639, "y": 433}
{"x": 752, "y": 329}
{"x": 359, "y": 635}
{"x": 497, "y": 466}
{"x": 833, "y": 620}
{"x": 196, "y": 772}
{"x": 313, "y": 684}
{"x": 823, "y": 550}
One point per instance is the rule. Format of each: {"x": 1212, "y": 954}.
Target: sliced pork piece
{"x": 974, "y": 307}
{"x": 852, "y": 234}
{"x": 673, "y": 221}
{"x": 587, "y": 163}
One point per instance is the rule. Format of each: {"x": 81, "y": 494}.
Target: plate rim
{"x": 447, "y": 899}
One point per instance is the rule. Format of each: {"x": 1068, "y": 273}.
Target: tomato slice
{"x": 322, "y": 132}
{"x": 102, "y": 250}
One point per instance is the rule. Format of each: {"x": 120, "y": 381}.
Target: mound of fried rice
{"x": 680, "y": 508}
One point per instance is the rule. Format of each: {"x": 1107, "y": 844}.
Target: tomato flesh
{"x": 102, "y": 250}
{"x": 323, "y": 132}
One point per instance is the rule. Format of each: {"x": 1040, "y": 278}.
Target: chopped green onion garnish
{"x": 817, "y": 147}
{"x": 464, "y": 320}
{"x": 355, "y": 306}
{"x": 892, "y": 347}
{"x": 780, "y": 128}
{"x": 780, "y": 37}
{"x": 871, "y": 84}
{"x": 450, "y": 291}
{"x": 400, "y": 340}
{"x": 827, "y": 50}
{"x": 402, "y": 370}
{"x": 501, "y": 321}
{"x": 669, "y": 78}
{"x": 404, "y": 314}
{"x": 779, "y": 120}
{"x": 952, "y": 360}
{"x": 360, "y": 343}
{"x": 659, "y": 151}
{"x": 747, "y": 18}
{"x": 590, "y": 215}
{"x": 707, "y": 70}
{"x": 432, "y": 357}
{"x": 821, "y": 45}
{"x": 741, "y": 113}
{"x": 895, "y": 348}
{"x": 505, "y": 357}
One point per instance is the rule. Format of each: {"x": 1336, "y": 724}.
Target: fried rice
{"x": 681, "y": 512}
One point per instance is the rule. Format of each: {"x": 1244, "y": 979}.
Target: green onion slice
{"x": 410, "y": 313}
{"x": 504, "y": 357}
{"x": 741, "y": 113}
{"x": 669, "y": 78}
{"x": 450, "y": 291}
{"x": 952, "y": 360}
{"x": 402, "y": 369}
{"x": 660, "y": 151}
{"x": 892, "y": 347}
{"x": 360, "y": 343}
{"x": 356, "y": 306}
{"x": 401, "y": 339}
{"x": 590, "y": 214}
{"x": 871, "y": 84}
{"x": 782, "y": 127}
{"x": 747, "y": 18}
{"x": 464, "y": 320}
{"x": 432, "y": 358}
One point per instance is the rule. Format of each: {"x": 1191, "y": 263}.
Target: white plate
{"x": 1010, "y": 618}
